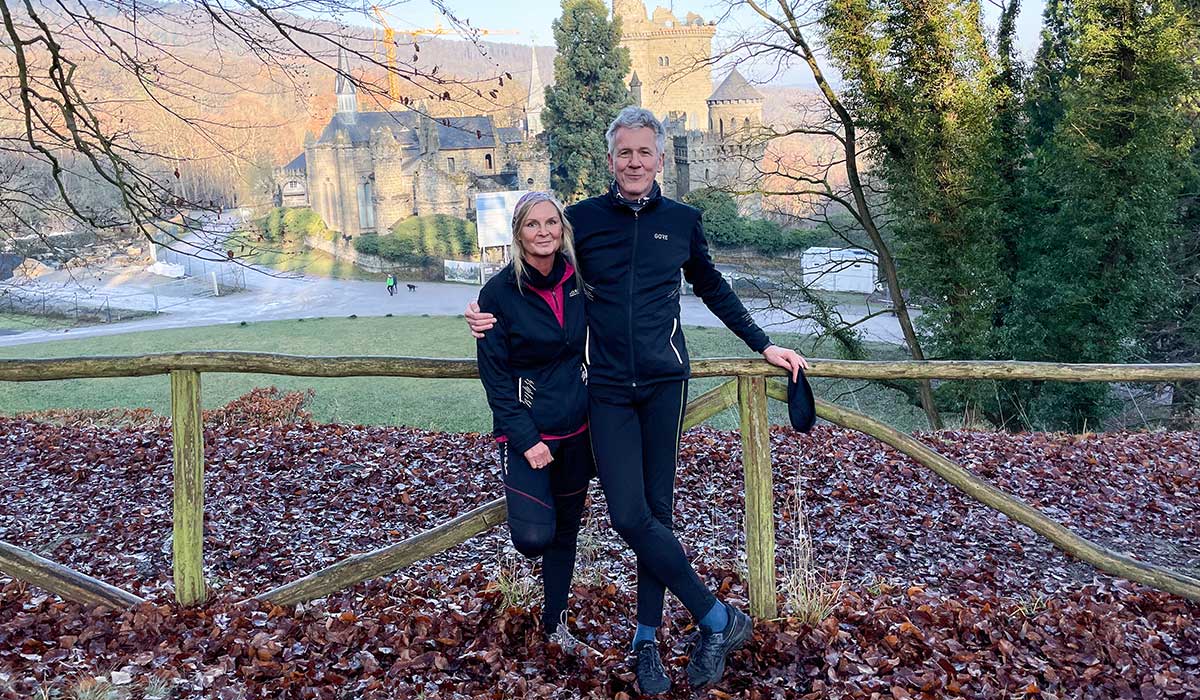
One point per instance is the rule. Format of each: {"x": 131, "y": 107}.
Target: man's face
{"x": 635, "y": 161}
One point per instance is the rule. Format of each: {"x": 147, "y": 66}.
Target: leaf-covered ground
{"x": 942, "y": 598}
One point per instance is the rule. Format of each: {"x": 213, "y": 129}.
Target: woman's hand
{"x": 478, "y": 321}
{"x": 538, "y": 456}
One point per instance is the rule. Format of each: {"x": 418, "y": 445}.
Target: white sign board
{"x": 493, "y": 216}
{"x": 462, "y": 271}
{"x": 839, "y": 269}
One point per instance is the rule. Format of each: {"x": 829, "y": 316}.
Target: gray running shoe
{"x": 707, "y": 664}
{"x": 651, "y": 677}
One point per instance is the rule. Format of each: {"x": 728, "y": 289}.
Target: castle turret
{"x": 735, "y": 105}
{"x": 347, "y": 94}
{"x": 635, "y": 89}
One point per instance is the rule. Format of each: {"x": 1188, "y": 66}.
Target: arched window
{"x": 746, "y": 123}
{"x": 487, "y": 159}
{"x": 722, "y": 123}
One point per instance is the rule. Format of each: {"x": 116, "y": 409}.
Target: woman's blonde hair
{"x": 567, "y": 244}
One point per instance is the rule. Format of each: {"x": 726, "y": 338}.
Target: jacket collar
{"x": 537, "y": 280}
{"x": 559, "y": 274}
{"x": 651, "y": 198}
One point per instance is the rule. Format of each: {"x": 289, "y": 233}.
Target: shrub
{"x": 264, "y": 406}
{"x": 367, "y": 244}
{"x": 272, "y": 226}
{"x": 422, "y": 241}
{"x": 725, "y": 227}
{"x": 293, "y": 223}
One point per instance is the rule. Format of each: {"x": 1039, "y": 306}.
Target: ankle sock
{"x": 643, "y": 633}
{"x": 716, "y": 619}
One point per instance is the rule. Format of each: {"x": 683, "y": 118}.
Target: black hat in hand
{"x": 801, "y": 408}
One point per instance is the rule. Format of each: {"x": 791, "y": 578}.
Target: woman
{"x": 532, "y": 367}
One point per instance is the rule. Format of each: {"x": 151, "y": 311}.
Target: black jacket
{"x": 630, "y": 258}
{"x": 531, "y": 363}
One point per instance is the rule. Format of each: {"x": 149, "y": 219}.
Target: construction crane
{"x": 389, "y": 44}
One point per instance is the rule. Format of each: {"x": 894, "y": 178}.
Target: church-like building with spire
{"x": 367, "y": 170}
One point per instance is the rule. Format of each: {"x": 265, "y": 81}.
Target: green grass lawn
{"x": 437, "y": 404}
{"x": 33, "y": 322}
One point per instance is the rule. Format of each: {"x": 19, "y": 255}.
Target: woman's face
{"x": 541, "y": 232}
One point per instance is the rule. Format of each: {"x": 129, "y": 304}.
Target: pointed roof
{"x": 635, "y": 81}
{"x": 298, "y": 164}
{"x": 344, "y": 85}
{"x": 537, "y": 91}
{"x": 735, "y": 87}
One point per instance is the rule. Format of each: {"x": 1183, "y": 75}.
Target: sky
{"x": 532, "y": 19}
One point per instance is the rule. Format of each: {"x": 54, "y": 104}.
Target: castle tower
{"x": 635, "y": 89}
{"x": 347, "y": 94}
{"x": 537, "y": 97}
{"x": 670, "y": 57}
{"x": 735, "y": 105}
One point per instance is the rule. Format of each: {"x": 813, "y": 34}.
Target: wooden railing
{"x": 749, "y": 391}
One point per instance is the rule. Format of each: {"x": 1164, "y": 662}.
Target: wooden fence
{"x": 748, "y": 390}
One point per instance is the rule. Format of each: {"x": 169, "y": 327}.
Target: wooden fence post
{"x": 187, "y": 436}
{"x": 760, "y": 497}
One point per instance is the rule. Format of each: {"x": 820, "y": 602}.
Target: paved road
{"x": 270, "y": 297}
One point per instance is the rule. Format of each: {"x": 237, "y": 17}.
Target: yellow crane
{"x": 389, "y": 44}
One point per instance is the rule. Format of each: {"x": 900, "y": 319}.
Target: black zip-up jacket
{"x": 630, "y": 255}
{"x": 531, "y": 362}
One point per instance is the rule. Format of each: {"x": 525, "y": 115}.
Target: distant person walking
{"x": 391, "y": 285}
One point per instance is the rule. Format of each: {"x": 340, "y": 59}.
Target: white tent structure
{"x": 840, "y": 269}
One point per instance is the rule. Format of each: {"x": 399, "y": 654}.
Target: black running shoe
{"x": 651, "y": 677}
{"x": 707, "y": 664}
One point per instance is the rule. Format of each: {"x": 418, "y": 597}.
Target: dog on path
{"x": 412, "y": 287}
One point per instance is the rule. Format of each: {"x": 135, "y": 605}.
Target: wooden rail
{"x": 749, "y": 392}
{"x": 429, "y": 368}
{"x": 61, "y": 581}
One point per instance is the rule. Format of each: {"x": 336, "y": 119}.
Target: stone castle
{"x": 671, "y": 75}
{"x": 368, "y": 170}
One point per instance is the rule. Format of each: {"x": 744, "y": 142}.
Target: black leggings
{"x": 545, "y": 507}
{"x": 635, "y": 437}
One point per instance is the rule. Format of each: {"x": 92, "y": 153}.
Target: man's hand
{"x": 790, "y": 360}
{"x": 478, "y": 321}
{"x": 538, "y": 456}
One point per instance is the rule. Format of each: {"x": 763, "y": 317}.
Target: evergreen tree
{"x": 589, "y": 90}
{"x": 926, "y": 84}
{"x": 1174, "y": 335}
{"x": 1105, "y": 185}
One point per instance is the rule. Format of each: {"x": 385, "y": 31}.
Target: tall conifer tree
{"x": 1105, "y": 185}
{"x": 588, "y": 91}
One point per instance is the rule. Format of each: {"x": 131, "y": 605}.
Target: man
{"x": 631, "y": 244}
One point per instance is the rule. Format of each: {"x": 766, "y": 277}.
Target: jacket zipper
{"x": 629, "y": 314}
{"x": 671, "y": 340}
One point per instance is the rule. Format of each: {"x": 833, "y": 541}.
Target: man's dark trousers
{"x": 635, "y": 437}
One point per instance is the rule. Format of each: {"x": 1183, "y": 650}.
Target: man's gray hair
{"x": 636, "y": 118}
